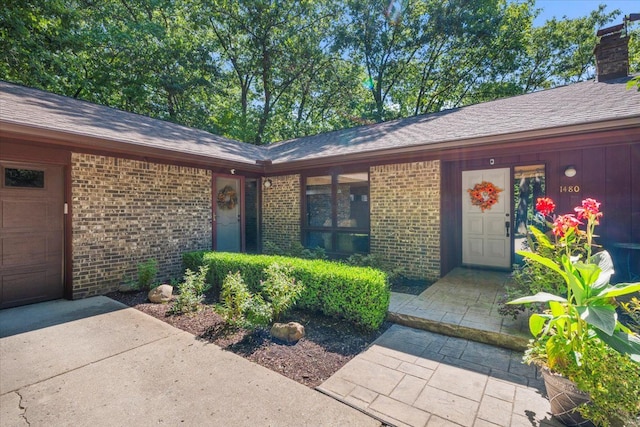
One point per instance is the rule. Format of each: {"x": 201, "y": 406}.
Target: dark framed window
{"x": 336, "y": 212}
{"x": 24, "y": 178}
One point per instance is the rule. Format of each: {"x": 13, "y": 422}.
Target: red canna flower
{"x": 590, "y": 209}
{"x": 545, "y": 206}
{"x": 565, "y": 223}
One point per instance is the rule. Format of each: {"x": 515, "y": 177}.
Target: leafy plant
{"x": 277, "y": 294}
{"x": 235, "y": 298}
{"x": 130, "y": 283}
{"x": 358, "y": 294}
{"x": 395, "y": 275}
{"x": 271, "y": 248}
{"x": 258, "y": 312}
{"x": 583, "y": 324}
{"x": 295, "y": 249}
{"x": 532, "y": 277}
{"x": 147, "y": 272}
{"x": 280, "y": 289}
{"x": 631, "y": 310}
{"x": 191, "y": 291}
{"x": 613, "y": 383}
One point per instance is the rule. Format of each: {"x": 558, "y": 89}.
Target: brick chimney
{"x": 612, "y": 53}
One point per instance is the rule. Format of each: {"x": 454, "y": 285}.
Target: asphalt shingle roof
{"x": 575, "y": 104}
{"x": 45, "y": 110}
{"x": 552, "y": 109}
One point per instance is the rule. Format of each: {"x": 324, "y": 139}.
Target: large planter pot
{"x": 565, "y": 398}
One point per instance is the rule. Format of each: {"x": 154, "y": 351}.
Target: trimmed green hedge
{"x": 357, "y": 294}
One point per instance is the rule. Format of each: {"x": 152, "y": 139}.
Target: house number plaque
{"x": 569, "y": 188}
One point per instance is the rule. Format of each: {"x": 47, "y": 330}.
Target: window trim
{"x": 334, "y": 229}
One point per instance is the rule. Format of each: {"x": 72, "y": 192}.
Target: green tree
{"x": 561, "y": 51}
{"x": 261, "y": 71}
{"x": 269, "y": 48}
{"x": 383, "y": 38}
{"x": 133, "y": 55}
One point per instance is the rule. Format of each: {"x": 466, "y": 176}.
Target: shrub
{"x": 278, "y": 293}
{"x": 193, "y": 260}
{"x": 631, "y": 314}
{"x": 280, "y": 289}
{"x": 147, "y": 272}
{"x": 357, "y": 294}
{"x": 395, "y": 275}
{"x": 270, "y": 248}
{"x": 258, "y": 312}
{"x": 191, "y": 291}
{"x": 529, "y": 279}
{"x": 612, "y": 381}
{"x": 234, "y": 297}
{"x": 295, "y": 249}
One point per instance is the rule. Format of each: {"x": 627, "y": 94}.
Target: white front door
{"x": 486, "y": 226}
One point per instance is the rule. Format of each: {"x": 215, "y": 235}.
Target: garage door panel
{"x": 24, "y": 214}
{"x": 31, "y": 235}
{"x": 29, "y": 286}
{"x": 30, "y": 249}
{"x": 31, "y": 215}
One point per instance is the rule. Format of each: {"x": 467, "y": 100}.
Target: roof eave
{"x": 118, "y": 147}
{"x": 456, "y": 144}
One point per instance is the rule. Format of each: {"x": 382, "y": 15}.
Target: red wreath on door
{"x": 484, "y": 195}
{"x": 227, "y": 198}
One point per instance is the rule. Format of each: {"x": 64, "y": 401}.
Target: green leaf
{"x": 623, "y": 343}
{"x": 588, "y": 272}
{"x": 541, "y": 238}
{"x": 542, "y": 260}
{"x": 537, "y": 322}
{"x": 557, "y": 309}
{"x": 605, "y": 264}
{"x": 619, "y": 289}
{"x": 577, "y": 287}
{"x": 602, "y": 317}
{"x": 539, "y": 297}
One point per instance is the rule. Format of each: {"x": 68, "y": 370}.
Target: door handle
{"x": 507, "y": 226}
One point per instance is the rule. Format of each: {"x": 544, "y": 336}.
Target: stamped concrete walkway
{"x": 422, "y": 377}
{"x": 412, "y": 377}
{"x": 463, "y": 304}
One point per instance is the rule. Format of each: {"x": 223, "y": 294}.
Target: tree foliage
{"x": 263, "y": 70}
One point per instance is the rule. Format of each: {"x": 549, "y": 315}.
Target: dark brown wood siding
{"x": 607, "y": 173}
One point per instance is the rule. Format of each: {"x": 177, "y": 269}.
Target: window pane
{"x": 353, "y": 242}
{"x": 353, "y": 200}
{"x": 318, "y": 193}
{"x": 528, "y": 185}
{"x": 317, "y": 239}
{"x": 23, "y": 178}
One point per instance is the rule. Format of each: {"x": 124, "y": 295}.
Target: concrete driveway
{"x": 96, "y": 362}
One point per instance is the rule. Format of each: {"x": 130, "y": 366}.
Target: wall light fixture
{"x": 570, "y": 171}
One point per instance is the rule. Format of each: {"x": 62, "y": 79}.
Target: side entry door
{"x": 227, "y": 213}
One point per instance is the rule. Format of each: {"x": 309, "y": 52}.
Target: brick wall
{"x": 126, "y": 212}
{"x": 281, "y": 211}
{"x": 405, "y": 216}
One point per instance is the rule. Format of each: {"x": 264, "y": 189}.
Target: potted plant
{"x": 579, "y": 342}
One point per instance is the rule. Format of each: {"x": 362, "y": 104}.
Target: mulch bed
{"x": 328, "y": 345}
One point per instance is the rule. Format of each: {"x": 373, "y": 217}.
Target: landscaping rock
{"x": 161, "y": 294}
{"x": 290, "y": 332}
